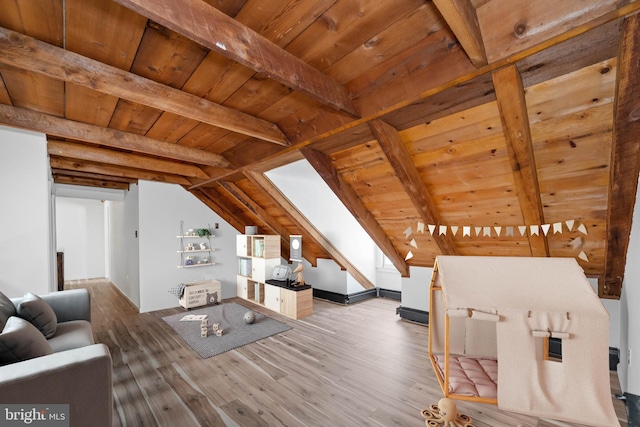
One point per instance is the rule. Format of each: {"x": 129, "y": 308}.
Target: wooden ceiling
{"x": 483, "y": 121}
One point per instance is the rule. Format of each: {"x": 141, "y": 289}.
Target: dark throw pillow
{"x": 39, "y": 313}
{"x": 20, "y": 340}
{"x": 7, "y": 309}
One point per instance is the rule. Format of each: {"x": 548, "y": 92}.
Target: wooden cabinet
{"x": 258, "y": 255}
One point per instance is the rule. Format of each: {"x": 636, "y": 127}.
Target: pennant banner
{"x": 577, "y": 244}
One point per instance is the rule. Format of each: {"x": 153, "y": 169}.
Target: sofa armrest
{"x": 81, "y": 378}
{"x": 73, "y": 304}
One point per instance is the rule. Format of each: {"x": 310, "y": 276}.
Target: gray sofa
{"x": 78, "y": 372}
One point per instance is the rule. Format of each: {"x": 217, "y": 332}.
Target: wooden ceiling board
{"x": 473, "y": 93}
{"x": 599, "y": 44}
{"x": 34, "y": 91}
{"x": 42, "y": 19}
{"x": 103, "y": 30}
{"x": 210, "y": 138}
{"x": 435, "y": 61}
{"x": 281, "y": 21}
{"x": 506, "y": 30}
{"x": 106, "y": 32}
{"x": 400, "y": 36}
{"x": 344, "y": 27}
{"x": 172, "y": 127}
{"x": 88, "y": 106}
{"x": 133, "y": 117}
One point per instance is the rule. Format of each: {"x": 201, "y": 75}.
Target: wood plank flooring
{"x": 357, "y": 365}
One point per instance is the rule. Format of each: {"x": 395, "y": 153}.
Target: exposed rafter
{"x": 322, "y": 164}
{"x": 404, "y": 167}
{"x": 72, "y": 150}
{"x": 211, "y": 198}
{"x": 65, "y": 165}
{"x": 625, "y": 159}
{"x": 206, "y": 25}
{"x": 462, "y": 19}
{"x": 30, "y": 54}
{"x": 515, "y": 121}
{"x": 63, "y": 128}
{"x": 257, "y": 210}
{"x": 264, "y": 183}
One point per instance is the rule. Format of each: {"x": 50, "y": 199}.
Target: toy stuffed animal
{"x": 445, "y": 414}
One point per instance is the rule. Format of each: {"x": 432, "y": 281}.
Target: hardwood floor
{"x": 357, "y": 365}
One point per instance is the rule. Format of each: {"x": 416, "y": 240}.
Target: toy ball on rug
{"x": 249, "y": 317}
{"x": 445, "y": 414}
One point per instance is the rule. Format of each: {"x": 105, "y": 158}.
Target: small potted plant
{"x": 204, "y": 232}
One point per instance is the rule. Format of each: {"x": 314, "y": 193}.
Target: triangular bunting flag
{"x": 533, "y": 229}
{"x": 407, "y": 232}
{"x": 420, "y": 227}
{"x": 498, "y": 230}
{"x": 576, "y": 243}
{"x": 432, "y": 228}
{"x": 409, "y": 256}
{"x": 443, "y": 229}
{"x": 466, "y": 231}
{"x": 522, "y": 229}
{"x": 545, "y": 228}
{"x": 557, "y": 227}
{"x": 570, "y": 224}
{"x": 413, "y": 243}
{"x": 583, "y": 256}
{"x": 454, "y": 229}
{"x": 478, "y": 230}
{"x": 509, "y": 231}
{"x": 582, "y": 229}
{"x": 486, "y": 231}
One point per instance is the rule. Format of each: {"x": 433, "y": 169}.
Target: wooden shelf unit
{"x": 257, "y": 256}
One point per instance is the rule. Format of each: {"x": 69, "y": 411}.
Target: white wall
{"x": 302, "y": 185}
{"x": 629, "y": 370}
{"x": 162, "y": 207}
{"x": 122, "y": 223}
{"x": 80, "y": 236}
{"x": 26, "y": 255}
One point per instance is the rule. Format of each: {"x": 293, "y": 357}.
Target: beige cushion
{"x": 39, "y": 313}
{"x": 20, "y": 340}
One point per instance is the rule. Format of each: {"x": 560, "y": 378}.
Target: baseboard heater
{"x": 414, "y": 315}
{"x": 357, "y": 296}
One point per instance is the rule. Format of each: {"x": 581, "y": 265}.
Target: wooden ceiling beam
{"x": 400, "y": 159}
{"x": 322, "y": 164}
{"x": 211, "y": 197}
{"x": 100, "y": 155}
{"x": 63, "y": 128}
{"x": 211, "y": 28}
{"x": 260, "y": 213}
{"x": 96, "y": 176}
{"x": 267, "y": 186}
{"x": 515, "y": 122}
{"x": 90, "y": 182}
{"x": 463, "y": 21}
{"x": 30, "y": 54}
{"x": 625, "y": 159}
{"x": 115, "y": 171}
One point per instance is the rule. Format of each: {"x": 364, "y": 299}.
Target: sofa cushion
{"x": 7, "y": 309}
{"x": 70, "y": 335}
{"x": 20, "y": 340}
{"x": 39, "y": 313}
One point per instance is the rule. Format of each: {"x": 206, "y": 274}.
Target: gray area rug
{"x": 236, "y": 333}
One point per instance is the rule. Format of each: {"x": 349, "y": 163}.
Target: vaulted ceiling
{"x": 470, "y": 127}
